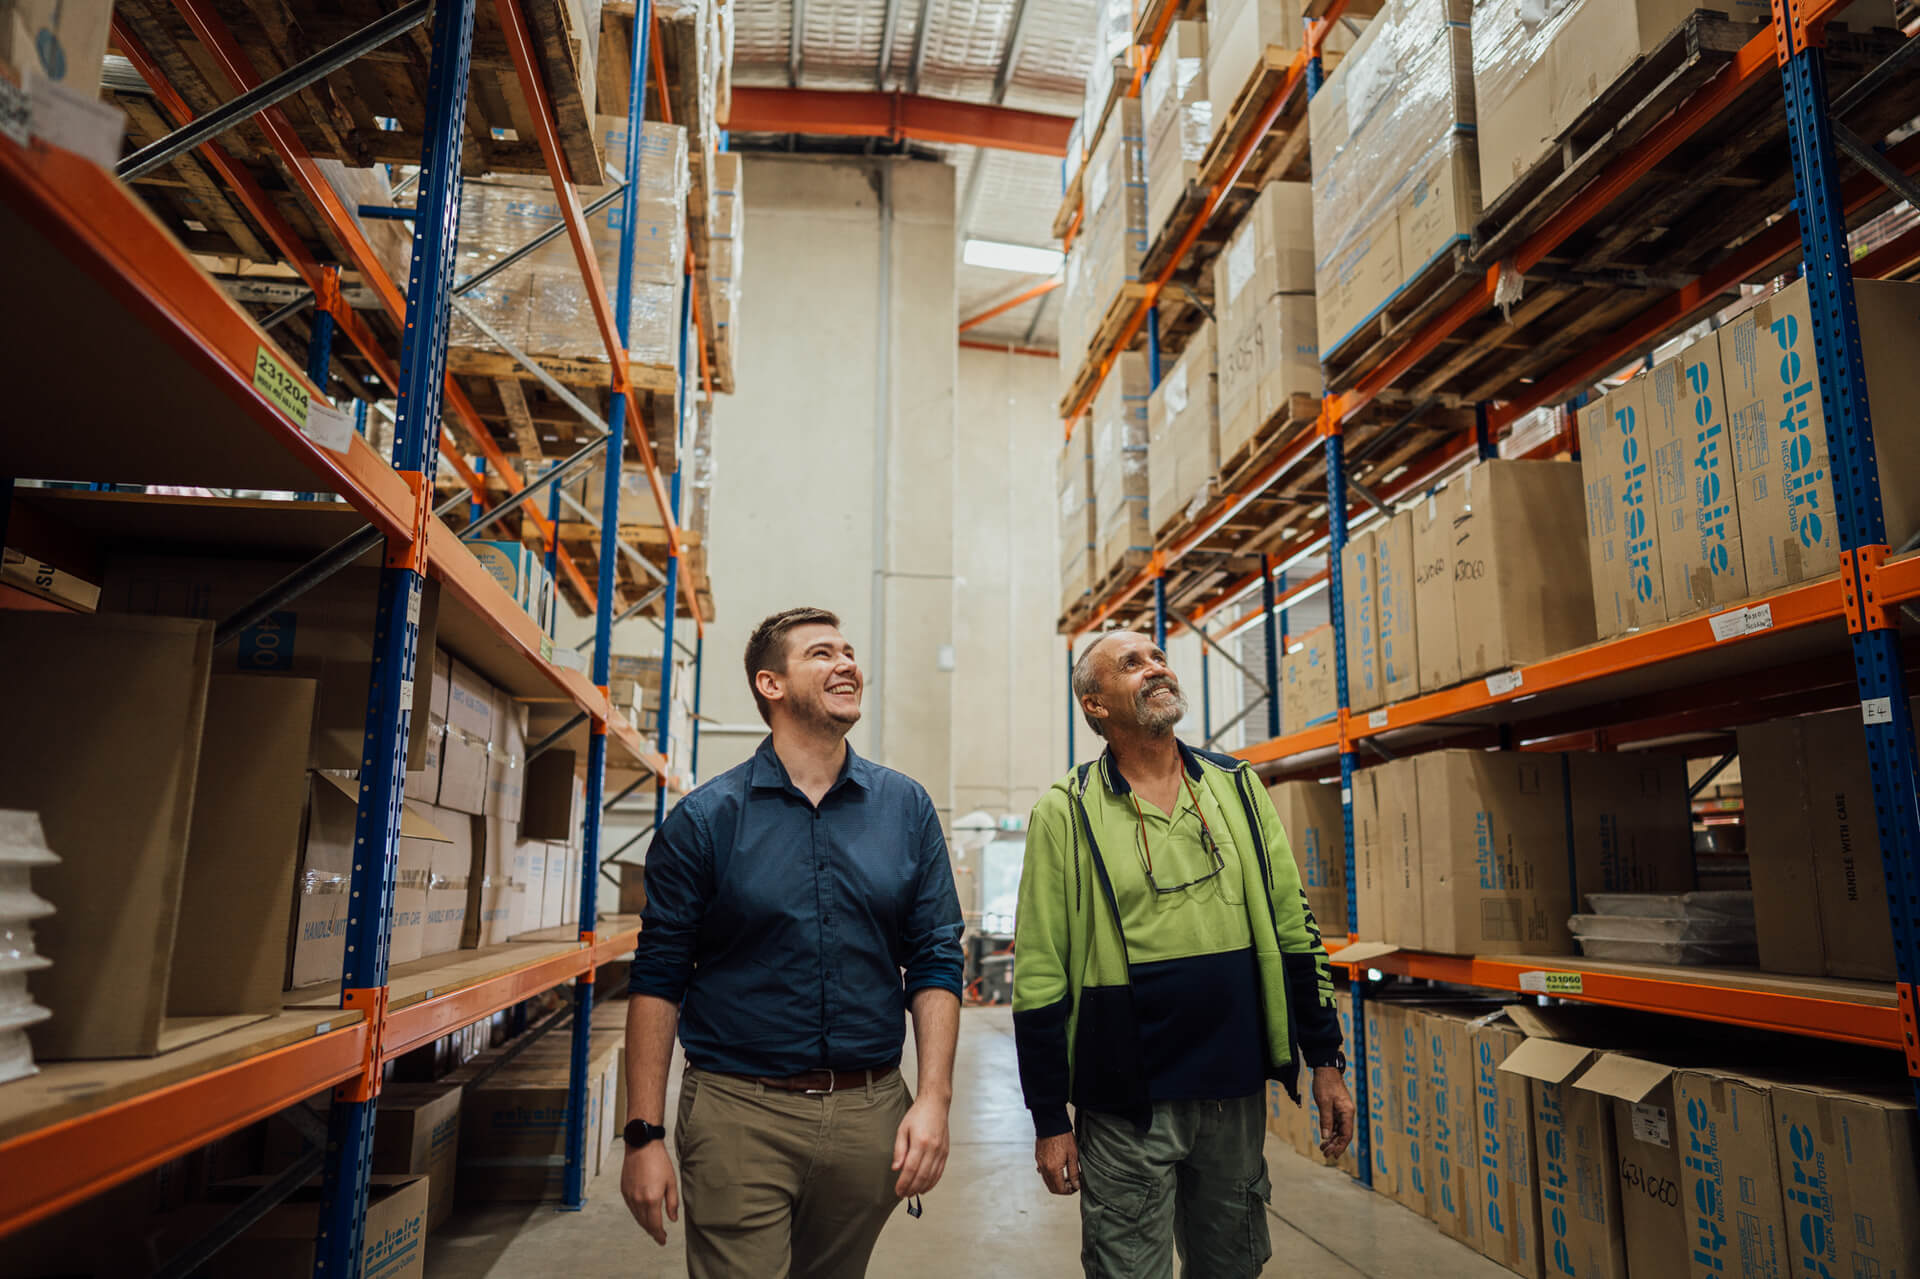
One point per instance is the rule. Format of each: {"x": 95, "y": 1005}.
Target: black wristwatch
{"x": 639, "y": 1132}
{"x": 1337, "y": 1062}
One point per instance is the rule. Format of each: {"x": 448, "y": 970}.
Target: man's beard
{"x": 1155, "y": 717}
{"x": 815, "y": 712}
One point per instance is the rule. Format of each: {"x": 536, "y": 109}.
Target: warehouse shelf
{"x": 491, "y": 632}
{"x": 1858, "y": 1012}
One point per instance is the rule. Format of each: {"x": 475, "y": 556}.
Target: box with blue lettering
{"x": 1730, "y": 1176}
{"x": 1508, "y": 1200}
{"x": 1849, "y": 1188}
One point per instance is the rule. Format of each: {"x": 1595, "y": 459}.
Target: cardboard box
{"x": 559, "y": 887}
{"x": 1434, "y": 535}
{"x": 513, "y": 1125}
{"x": 1509, "y": 1228}
{"x": 1308, "y": 695}
{"x": 1239, "y": 32}
{"x": 417, "y": 1130}
{"x": 1078, "y": 528}
{"x": 1493, "y": 853}
{"x": 1394, "y": 608}
{"x": 1120, "y": 486}
{"x": 317, "y": 945}
{"x": 1646, "y": 1139}
{"x": 1178, "y": 119}
{"x": 494, "y": 912}
{"x": 450, "y": 888}
{"x": 1730, "y": 1177}
{"x": 1813, "y": 843}
{"x": 1573, "y": 1159}
{"x": 1383, "y": 1096}
{"x": 531, "y": 858}
{"x": 1623, "y": 530}
{"x": 1310, "y": 814}
{"x": 64, "y": 41}
{"x": 548, "y": 811}
{"x": 173, "y": 799}
{"x": 1397, "y": 793}
{"x": 1412, "y": 1109}
{"x": 281, "y": 1244}
{"x": 506, "y": 757}
{"x": 1446, "y": 1058}
{"x": 1694, "y": 495}
{"x": 1360, "y": 586}
{"x": 1520, "y": 590}
{"x": 1183, "y": 424}
{"x": 1264, "y": 310}
{"x": 1369, "y": 862}
{"x": 1852, "y": 1200}
{"x": 464, "y": 754}
{"x": 1632, "y": 822}
{"x": 326, "y": 635}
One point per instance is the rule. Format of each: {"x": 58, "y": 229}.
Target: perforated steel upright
{"x": 383, "y": 758}
{"x": 575, "y": 1194}
{"x": 1874, "y": 630}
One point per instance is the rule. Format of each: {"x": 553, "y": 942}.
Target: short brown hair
{"x": 767, "y": 646}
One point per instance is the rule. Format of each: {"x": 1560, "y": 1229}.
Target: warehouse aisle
{"x": 989, "y": 1218}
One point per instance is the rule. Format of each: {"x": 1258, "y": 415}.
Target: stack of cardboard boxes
{"x": 1120, "y": 486}
{"x": 1183, "y": 424}
{"x": 1079, "y": 529}
{"x": 1707, "y": 480}
{"x": 1467, "y": 852}
{"x": 1263, "y": 301}
{"x": 1114, "y": 226}
{"x": 1179, "y": 120}
{"x": 727, "y": 231}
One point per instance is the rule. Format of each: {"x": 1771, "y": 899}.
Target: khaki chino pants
{"x": 781, "y": 1185}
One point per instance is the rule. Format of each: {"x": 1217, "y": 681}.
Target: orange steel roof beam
{"x": 896, "y": 117}
{"x": 1039, "y": 290}
{"x": 242, "y": 75}
{"x": 1038, "y": 352}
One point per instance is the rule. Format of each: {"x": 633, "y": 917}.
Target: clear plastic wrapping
{"x": 1395, "y": 176}
{"x": 1183, "y": 416}
{"x": 700, "y": 473}
{"x": 1179, "y": 120}
{"x": 1077, "y": 527}
{"x": 726, "y": 229}
{"x": 1120, "y": 482}
{"x": 540, "y": 304}
{"x": 1112, "y": 35}
{"x": 1115, "y": 226}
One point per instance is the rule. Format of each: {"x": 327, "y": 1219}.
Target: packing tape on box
{"x": 321, "y": 883}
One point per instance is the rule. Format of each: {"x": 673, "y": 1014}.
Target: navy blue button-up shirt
{"x": 792, "y": 936}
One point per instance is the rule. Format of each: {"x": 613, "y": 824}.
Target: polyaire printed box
{"x": 1653, "y": 1216}
{"x": 1493, "y": 853}
{"x": 1520, "y": 594}
{"x": 1623, "y": 533}
{"x": 1453, "y": 1191}
{"x": 1360, "y": 586}
{"x": 1394, "y": 608}
{"x": 1435, "y": 532}
{"x": 1730, "y": 1177}
{"x": 1415, "y": 1113}
{"x": 1819, "y": 887}
{"x": 282, "y": 1243}
{"x": 1308, "y": 695}
{"x": 1369, "y": 862}
{"x": 1310, "y": 814}
{"x": 1694, "y": 496}
{"x": 417, "y": 1130}
{"x": 1396, "y": 790}
{"x": 1848, "y": 1181}
{"x": 1509, "y": 1228}
{"x": 1573, "y": 1163}
{"x": 1382, "y": 1018}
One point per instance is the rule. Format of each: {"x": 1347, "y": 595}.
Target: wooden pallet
{"x": 338, "y": 118}
{"x": 528, "y": 421}
{"x": 1153, "y": 10}
{"x": 1102, "y": 343}
{"x": 1267, "y": 439}
{"x": 1656, "y": 234}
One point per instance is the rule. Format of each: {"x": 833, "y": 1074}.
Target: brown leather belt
{"x": 824, "y": 1081}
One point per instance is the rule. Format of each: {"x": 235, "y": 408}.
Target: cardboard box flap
{"x": 1361, "y": 952}
{"x": 1628, "y": 1078}
{"x": 412, "y": 824}
{"x": 1548, "y": 1060}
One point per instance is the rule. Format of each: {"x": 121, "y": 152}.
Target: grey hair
{"x": 1086, "y": 684}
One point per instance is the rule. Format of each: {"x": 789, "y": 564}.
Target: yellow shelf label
{"x": 273, "y": 380}
{"x": 1549, "y": 983}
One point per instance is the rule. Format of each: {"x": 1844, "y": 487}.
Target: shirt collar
{"x": 770, "y": 774}
{"x": 1110, "y": 771}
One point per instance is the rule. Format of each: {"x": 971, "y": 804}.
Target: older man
{"x": 1166, "y": 966}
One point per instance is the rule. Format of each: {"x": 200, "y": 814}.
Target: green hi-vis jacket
{"x": 1074, "y": 1022}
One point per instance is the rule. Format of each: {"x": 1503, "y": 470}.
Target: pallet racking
{"x": 1818, "y": 645}
{"x": 112, "y": 282}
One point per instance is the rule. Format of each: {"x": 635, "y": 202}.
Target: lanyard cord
{"x": 1141, "y": 817}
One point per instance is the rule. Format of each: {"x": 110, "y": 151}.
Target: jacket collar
{"x": 770, "y": 774}
{"x": 1117, "y": 784}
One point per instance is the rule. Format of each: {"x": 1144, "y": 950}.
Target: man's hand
{"x": 650, "y": 1189}
{"x": 1336, "y": 1111}
{"x": 1058, "y": 1159}
{"x": 920, "y": 1147}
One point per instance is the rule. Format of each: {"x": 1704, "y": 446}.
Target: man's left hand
{"x": 1336, "y": 1111}
{"x": 920, "y": 1147}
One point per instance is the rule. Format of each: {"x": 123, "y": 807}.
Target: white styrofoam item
{"x": 1721, "y": 904}
{"x": 22, "y": 847}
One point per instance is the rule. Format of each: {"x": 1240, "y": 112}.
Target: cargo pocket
{"x": 1116, "y": 1239}
{"x": 1259, "y": 1193}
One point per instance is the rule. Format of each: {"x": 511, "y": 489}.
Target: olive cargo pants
{"x": 782, "y": 1185}
{"x": 1194, "y": 1183}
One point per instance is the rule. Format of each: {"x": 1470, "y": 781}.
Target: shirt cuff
{"x": 1050, "y": 1121}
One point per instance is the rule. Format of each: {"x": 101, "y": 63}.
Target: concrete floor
{"x": 989, "y": 1217}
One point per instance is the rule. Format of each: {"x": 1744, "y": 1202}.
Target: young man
{"x": 785, "y": 899}
{"x": 1166, "y": 967}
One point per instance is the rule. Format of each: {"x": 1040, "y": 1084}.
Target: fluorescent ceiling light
{"x": 1022, "y": 258}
